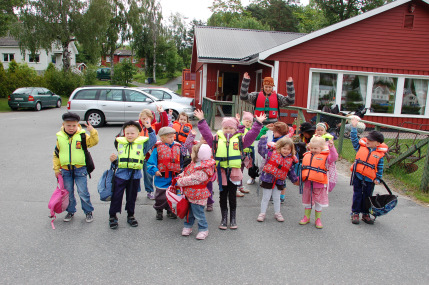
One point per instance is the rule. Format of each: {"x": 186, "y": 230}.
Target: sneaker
{"x": 261, "y": 217}
{"x": 282, "y": 200}
{"x": 150, "y": 196}
{"x": 367, "y": 219}
{"x": 68, "y": 217}
{"x": 171, "y": 215}
{"x": 186, "y": 231}
{"x": 89, "y": 217}
{"x": 355, "y": 218}
{"x": 113, "y": 222}
{"x": 132, "y": 221}
{"x": 279, "y": 217}
{"x": 243, "y": 190}
{"x": 202, "y": 235}
{"x": 250, "y": 181}
{"x": 239, "y": 194}
{"x": 209, "y": 208}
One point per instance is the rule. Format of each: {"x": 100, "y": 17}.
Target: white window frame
{"x": 8, "y": 56}
{"x": 259, "y": 71}
{"x": 398, "y": 96}
{"x": 36, "y": 55}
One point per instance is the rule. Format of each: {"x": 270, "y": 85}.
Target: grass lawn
{"x": 141, "y": 78}
{"x": 4, "y": 107}
{"x": 411, "y": 181}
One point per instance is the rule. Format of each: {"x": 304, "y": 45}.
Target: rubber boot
{"x": 306, "y": 218}
{"x": 318, "y": 214}
{"x": 232, "y": 222}
{"x": 224, "y": 223}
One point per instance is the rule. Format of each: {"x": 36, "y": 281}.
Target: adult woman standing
{"x": 267, "y": 101}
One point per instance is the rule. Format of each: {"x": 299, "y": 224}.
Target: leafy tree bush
{"x": 123, "y": 73}
{"x": 20, "y": 75}
{"x": 90, "y": 75}
{"x": 61, "y": 82}
{"x": 3, "y": 78}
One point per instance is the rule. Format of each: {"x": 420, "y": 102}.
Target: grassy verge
{"x": 397, "y": 175}
{"x": 4, "y": 107}
{"x": 141, "y": 78}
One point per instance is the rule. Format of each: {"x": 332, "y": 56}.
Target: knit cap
{"x": 229, "y": 122}
{"x": 268, "y": 81}
{"x": 247, "y": 116}
{"x": 205, "y": 152}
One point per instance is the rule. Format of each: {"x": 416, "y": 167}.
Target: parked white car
{"x": 106, "y": 104}
{"x": 163, "y": 93}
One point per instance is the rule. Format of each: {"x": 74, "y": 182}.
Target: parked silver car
{"x": 163, "y": 93}
{"x": 101, "y": 104}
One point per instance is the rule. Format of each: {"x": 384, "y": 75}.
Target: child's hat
{"x": 166, "y": 131}
{"x": 247, "y": 116}
{"x": 71, "y": 117}
{"x": 132, "y": 123}
{"x": 306, "y": 127}
{"x": 205, "y": 152}
{"x": 375, "y": 136}
{"x": 268, "y": 81}
{"x": 229, "y": 122}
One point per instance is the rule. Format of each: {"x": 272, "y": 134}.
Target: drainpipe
{"x": 273, "y": 67}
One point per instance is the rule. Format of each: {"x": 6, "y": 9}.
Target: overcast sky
{"x": 194, "y": 9}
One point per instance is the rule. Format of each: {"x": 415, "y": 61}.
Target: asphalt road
{"x": 394, "y": 251}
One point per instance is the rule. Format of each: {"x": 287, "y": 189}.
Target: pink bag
{"x": 179, "y": 204}
{"x": 59, "y": 200}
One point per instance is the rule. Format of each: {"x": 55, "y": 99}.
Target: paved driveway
{"x": 393, "y": 251}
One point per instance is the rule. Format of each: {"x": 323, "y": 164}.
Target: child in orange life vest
{"x": 164, "y": 163}
{"x": 314, "y": 176}
{"x": 186, "y": 150}
{"x": 321, "y": 131}
{"x": 131, "y": 152}
{"x": 194, "y": 180}
{"x": 280, "y": 159}
{"x": 149, "y": 116}
{"x": 182, "y": 127}
{"x": 367, "y": 169}
{"x": 227, "y": 149}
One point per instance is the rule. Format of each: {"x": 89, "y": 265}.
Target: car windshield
{"x": 23, "y": 91}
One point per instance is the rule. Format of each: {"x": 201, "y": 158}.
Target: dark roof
{"x": 8, "y": 42}
{"x": 234, "y": 44}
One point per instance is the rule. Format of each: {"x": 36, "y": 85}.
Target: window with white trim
{"x": 7, "y": 57}
{"x": 34, "y": 58}
{"x": 385, "y": 94}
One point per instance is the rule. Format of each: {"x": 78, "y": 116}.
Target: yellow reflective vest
{"x": 131, "y": 154}
{"x": 71, "y": 151}
{"x": 228, "y": 153}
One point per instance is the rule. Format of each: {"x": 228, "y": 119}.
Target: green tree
{"x": 7, "y": 14}
{"x": 340, "y": 10}
{"x": 309, "y": 18}
{"x": 44, "y": 22}
{"x": 277, "y": 14}
{"x": 124, "y": 73}
{"x": 4, "y": 92}
{"x": 21, "y": 75}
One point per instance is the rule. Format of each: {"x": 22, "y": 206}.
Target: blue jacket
{"x": 355, "y": 141}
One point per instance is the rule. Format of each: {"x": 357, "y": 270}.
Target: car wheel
{"x": 175, "y": 115}
{"x": 58, "y": 103}
{"x": 95, "y": 118}
{"x": 38, "y": 106}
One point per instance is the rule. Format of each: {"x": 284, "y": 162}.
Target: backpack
{"x": 88, "y": 158}
{"x": 179, "y": 204}
{"x": 105, "y": 184}
{"x": 59, "y": 200}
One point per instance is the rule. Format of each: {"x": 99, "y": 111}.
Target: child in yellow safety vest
{"x": 69, "y": 161}
{"x": 132, "y": 149}
{"x": 314, "y": 177}
{"x": 228, "y": 144}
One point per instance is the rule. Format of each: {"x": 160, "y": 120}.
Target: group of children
{"x": 178, "y": 159}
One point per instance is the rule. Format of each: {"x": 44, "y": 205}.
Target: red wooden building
{"x": 379, "y": 59}
{"x": 122, "y": 54}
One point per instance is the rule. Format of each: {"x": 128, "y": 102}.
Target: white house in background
{"x": 9, "y": 50}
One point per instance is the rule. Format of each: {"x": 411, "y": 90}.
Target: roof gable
{"x": 232, "y": 44}
{"x": 265, "y": 54}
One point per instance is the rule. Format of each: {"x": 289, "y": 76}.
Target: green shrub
{"x": 123, "y": 73}
{"x": 3, "y": 78}
{"x": 20, "y": 75}
{"x": 61, "y": 82}
{"x": 90, "y": 75}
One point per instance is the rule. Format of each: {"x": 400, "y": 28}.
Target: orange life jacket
{"x": 168, "y": 158}
{"x": 273, "y": 105}
{"x": 145, "y": 133}
{"x": 314, "y": 167}
{"x": 279, "y": 166}
{"x": 366, "y": 163}
{"x": 182, "y": 131}
{"x": 200, "y": 191}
